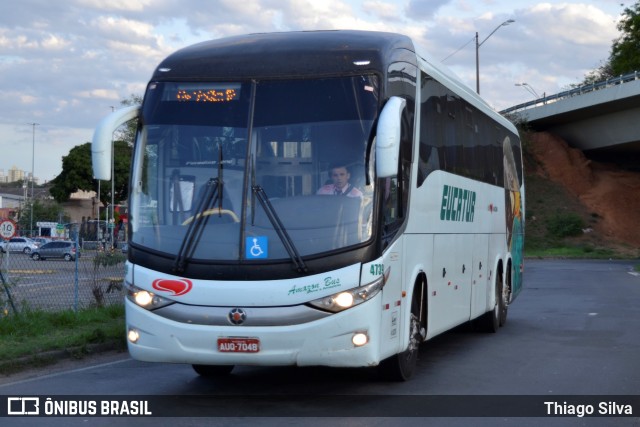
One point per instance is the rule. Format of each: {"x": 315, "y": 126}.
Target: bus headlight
{"x": 347, "y": 299}
{"x": 146, "y": 299}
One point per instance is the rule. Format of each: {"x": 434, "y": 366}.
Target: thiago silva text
{"x": 603, "y": 408}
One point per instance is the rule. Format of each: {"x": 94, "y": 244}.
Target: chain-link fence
{"x": 29, "y": 282}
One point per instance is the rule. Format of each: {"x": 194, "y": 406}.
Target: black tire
{"x": 35, "y": 256}
{"x": 68, "y": 257}
{"x": 213, "y": 371}
{"x": 26, "y": 250}
{"x": 490, "y": 321}
{"x": 401, "y": 366}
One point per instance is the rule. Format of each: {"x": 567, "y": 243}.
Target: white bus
{"x": 238, "y": 254}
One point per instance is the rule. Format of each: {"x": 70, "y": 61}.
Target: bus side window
{"x": 396, "y": 188}
{"x": 390, "y": 201}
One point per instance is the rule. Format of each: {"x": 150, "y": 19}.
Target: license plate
{"x": 238, "y": 345}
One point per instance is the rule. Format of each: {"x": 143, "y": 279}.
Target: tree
{"x": 42, "y": 212}
{"x": 77, "y": 174}
{"x": 625, "y": 52}
{"x": 624, "y": 57}
{"x": 128, "y": 131}
{"x": 603, "y": 72}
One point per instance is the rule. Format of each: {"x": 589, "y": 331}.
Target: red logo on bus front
{"x": 176, "y": 286}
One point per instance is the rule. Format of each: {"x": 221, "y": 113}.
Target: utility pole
{"x": 33, "y": 161}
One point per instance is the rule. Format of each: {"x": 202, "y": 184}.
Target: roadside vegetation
{"x": 39, "y": 338}
{"x": 558, "y": 225}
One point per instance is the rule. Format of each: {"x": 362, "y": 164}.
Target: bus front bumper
{"x": 324, "y": 342}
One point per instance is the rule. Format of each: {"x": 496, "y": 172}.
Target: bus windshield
{"x": 238, "y": 171}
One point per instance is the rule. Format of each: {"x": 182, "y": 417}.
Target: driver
{"x": 340, "y": 185}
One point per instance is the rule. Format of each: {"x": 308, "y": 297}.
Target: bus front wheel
{"x": 401, "y": 366}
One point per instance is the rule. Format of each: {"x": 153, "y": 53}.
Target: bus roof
{"x": 308, "y": 53}
{"x": 286, "y": 54}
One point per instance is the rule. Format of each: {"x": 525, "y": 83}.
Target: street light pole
{"x": 99, "y": 229}
{"x": 529, "y": 89}
{"x": 478, "y": 44}
{"x": 113, "y": 181}
{"x": 477, "y": 65}
{"x": 33, "y": 161}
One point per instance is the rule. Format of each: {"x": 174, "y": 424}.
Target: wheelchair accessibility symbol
{"x": 257, "y": 247}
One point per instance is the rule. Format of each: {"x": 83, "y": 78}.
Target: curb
{"x": 51, "y": 357}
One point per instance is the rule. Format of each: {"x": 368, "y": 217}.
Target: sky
{"x": 66, "y": 64}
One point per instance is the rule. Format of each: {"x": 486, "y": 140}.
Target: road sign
{"x": 7, "y": 228}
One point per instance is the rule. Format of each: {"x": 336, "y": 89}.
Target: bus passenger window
{"x": 390, "y": 201}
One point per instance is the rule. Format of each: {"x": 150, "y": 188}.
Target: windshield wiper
{"x": 212, "y": 193}
{"x": 279, "y": 227}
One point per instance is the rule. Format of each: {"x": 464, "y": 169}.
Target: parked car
{"x": 41, "y": 240}
{"x": 18, "y": 244}
{"x": 56, "y": 249}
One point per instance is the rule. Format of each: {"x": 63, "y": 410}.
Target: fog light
{"x": 133, "y": 336}
{"x": 359, "y": 339}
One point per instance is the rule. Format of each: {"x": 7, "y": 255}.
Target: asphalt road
{"x": 573, "y": 331}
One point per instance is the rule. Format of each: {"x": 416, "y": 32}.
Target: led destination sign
{"x": 203, "y": 92}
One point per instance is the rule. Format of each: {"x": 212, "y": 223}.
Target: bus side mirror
{"x": 101, "y": 148}
{"x": 388, "y": 137}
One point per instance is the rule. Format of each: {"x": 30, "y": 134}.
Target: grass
{"x": 581, "y": 252}
{"x": 27, "y": 338}
{"x": 555, "y": 220}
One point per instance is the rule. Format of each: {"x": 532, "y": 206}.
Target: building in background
{"x": 14, "y": 174}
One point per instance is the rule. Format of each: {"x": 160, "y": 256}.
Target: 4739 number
{"x": 376, "y": 269}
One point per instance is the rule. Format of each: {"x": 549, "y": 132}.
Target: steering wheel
{"x": 213, "y": 211}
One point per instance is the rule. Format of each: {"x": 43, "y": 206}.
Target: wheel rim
{"x": 504, "y": 304}
{"x": 415, "y": 338}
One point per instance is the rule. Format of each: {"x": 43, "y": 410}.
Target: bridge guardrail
{"x": 573, "y": 92}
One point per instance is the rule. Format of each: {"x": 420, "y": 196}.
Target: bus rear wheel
{"x": 490, "y": 321}
{"x": 504, "y": 298}
{"x": 213, "y": 371}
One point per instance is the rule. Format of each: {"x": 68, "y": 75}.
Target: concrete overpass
{"x": 602, "y": 119}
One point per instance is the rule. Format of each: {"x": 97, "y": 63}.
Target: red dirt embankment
{"x": 611, "y": 193}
